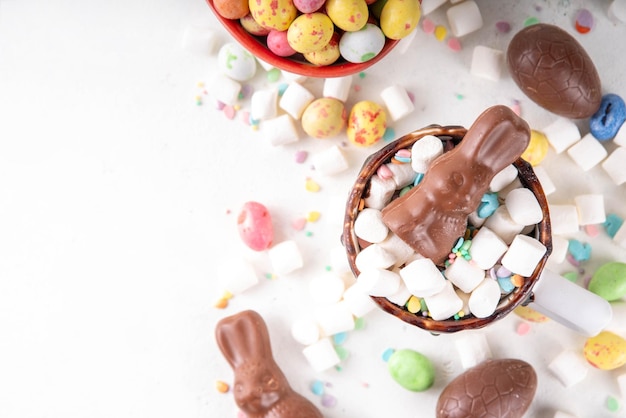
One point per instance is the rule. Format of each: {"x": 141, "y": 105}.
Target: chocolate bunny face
{"x": 260, "y": 388}
{"x": 433, "y": 215}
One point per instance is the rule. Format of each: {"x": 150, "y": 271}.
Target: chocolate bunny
{"x": 433, "y": 215}
{"x": 260, "y": 388}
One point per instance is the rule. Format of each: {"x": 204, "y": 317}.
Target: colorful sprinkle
{"x": 572, "y": 276}
{"x": 359, "y": 323}
{"x": 317, "y": 387}
{"x": 340, "y": 338}
{"x": 454, "y": 44}
{"x": 517, "y": 280}
{"x": 612, "y": 404}
{"x": 580, "y": 251}
{"x": 387, "y": 353}
{"x": 428, "y": 26}
{"x": 523, "y": 328}
{"x": 328, "y": 401}
{"x": 530, "y": 21}
{"x": 222, "y": 303}
{"x": 583, "y": 21}
{"x": 273, "y": 75}
{"x": 612, "y": 224}
{"x": 313, "y": 216}
{"x": 221, "y": 386}
{"x": 341, "y": 352}
{"x": 413, "y": 305}
{"x": 503, "y": 26}
{"x": 389, "y": 134}
{"x": 312, "y": 186}
{"x": 384, "y": 172}
{"x": 298, "y": 224}
{"x": 440, "y": 32}
{"x": 301, "y": 156}
{"x": 229, "y": 112}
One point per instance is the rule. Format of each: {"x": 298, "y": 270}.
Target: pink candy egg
{"x": 308, "y": 6}
{"x": 277, "y": 43}
{"x": 255, "y": 226}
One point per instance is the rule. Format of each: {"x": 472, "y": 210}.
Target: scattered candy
{"x": 311, "y": 186}
{"x": 412, "y": 370}
{"x": 428, "y": 26}
{"x": 221, "y": 386}
{"x": 454, "y": 44}
{"x": 583, "y": 21}
{"x": 503, "y": 26}
{"x": 523, "y": 328}
{"x": 537, "y": 148}
{"x": 581, "y": 251}
{"x": 606, "y": 351}
{"x": 255, "y": 226}
{"x": 609, "y": 281}
{"x": 366, "y": 124}
{"x": 612, "y": 224}
{"x": 301, "y": 156}
{"x": 440, "y": 32}
{"x": 609, "y": 117}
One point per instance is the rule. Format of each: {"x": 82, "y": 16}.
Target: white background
{"x": 118, "y": 203}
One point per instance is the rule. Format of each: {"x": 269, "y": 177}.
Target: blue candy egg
{"x": 605, "y": 123}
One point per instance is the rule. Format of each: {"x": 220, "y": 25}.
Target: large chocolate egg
{"x": 554, "y": 71}
{"x": 493, "y": 389}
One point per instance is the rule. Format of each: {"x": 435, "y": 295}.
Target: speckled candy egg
{"x": 366, "y": 124}
{"x": 310, "y": 32}
{"x": 327, "y": 55}
{"x": 349, "y": 15}
{"x": 324, "y": 118}
{"x": 606, "y": 351}
{"x": 252, "y": 26}
{"x": 273, "y": 14}
{"x": 254, "y": 224}
{"x": 493, "y": 388}
{"x": 399, "y": 18}
{"x": 362, "y": 45}
{"x": 235, "y": 62}
{"x": 279, "y": 45}
{"x": 308, "y": 6}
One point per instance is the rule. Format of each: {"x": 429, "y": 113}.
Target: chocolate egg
{"x": 554, "y": 71}
{"x": 494, "y": 388}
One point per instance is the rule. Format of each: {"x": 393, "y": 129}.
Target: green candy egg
{"x": 412, "y": 370}
{"x": 609, "y": 281}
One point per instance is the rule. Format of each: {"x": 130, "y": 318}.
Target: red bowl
{"x": 295, "y": 64}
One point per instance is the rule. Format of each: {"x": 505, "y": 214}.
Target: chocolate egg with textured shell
{"x": 554, "y": 71}
{"x": 493, "y": 389}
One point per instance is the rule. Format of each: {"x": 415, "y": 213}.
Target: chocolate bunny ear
{"x": 242, "y": 337}
{"x": 496, "y": 139}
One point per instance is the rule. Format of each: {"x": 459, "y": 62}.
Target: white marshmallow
{"x": 280, "y": 130}
{"x": 523, "y": 207}
{"x": 590, "y": 209}
{"x": 620, "y": 236}
{"x": 546, "y": 182}
{"x": 587, "y": 153}
{"x": 305, "y": 331}
{"x": 487, "y": 63}
{"x": 199, "y": 39}
{"x": 321, "y": 355}
{"x": 614, "y": 165}
{"x": 621, "y": 383}
{"x": 487, "y": 248}
{"x": 334, "y": 318}
{"x": 337, "y": 87}
{"x": 293, "y": 77}
{"x": 559, "y": 249}
{"x": 403, "y": 174}
{"x": 379, "y": 282}
{"x": 444, "y": 304}
{"x": 464, "y": 18}
{"x": 484, "y": 299}
{"x": 515, "y": 184}
{"x": 569, "y": 367}
{"x": 620, "y": 136}
{"x": 285, "y": 257}
{"x": 224, "y": 89}
{"x": 564, "y": 219}
{"x": 502, "y": 179}
{"x": 398, "y": 248}
{"x": 561, "y": 134}
{"x": 329, "y": 162}
{"x": 429, "y": 6}
{"x": 263, "y": 104}
{"x": 295, "y": 99}
{"x": 473, "y": 349}
{"x": 240, "y": 277}
{"x": 501, "y": 223}
{"x": 380, "y": 192}
{"x": 358, "y": 302}
{"x": 424, "y": 151}
{"x": 523, "y": 255}
{"x": 369, "y": 226}
{"x": 326, "y": 289}
{"x": 422, "y": 277}
{"x": 464, "y": 298}
{"x": 374, "y": 256}
{"x": 464, "y": 275}
{"x": 401, "y": 296}
{"x": 397, "y": 101}
{"x": 476, "y": 220}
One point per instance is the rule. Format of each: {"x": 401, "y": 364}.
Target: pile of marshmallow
{"x": 390, "y": 268}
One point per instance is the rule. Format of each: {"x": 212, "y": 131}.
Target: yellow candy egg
{"x": 349, "y": 15}
{"x": 273, "y": 14}
{"x": 310, "y": 32}
{"x": 324, "y": 118}
{"x": 537, "y": 148}
{"x": 606, "y": 351}
{"x": 327, "y": 55}
{"x": 530, "y": 314}
{"x": 399, "y": 18}
{"x": 366, "y": 124}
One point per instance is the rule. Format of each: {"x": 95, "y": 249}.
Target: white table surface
{"x": 118, "y": 202}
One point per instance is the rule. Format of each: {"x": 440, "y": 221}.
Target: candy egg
{"x": 235, "y": 62}
{"x": 273, "y": 14}
{"x": 530, "y": 314}
{"x": 606, "y": 351}
{"x": 308, "y": 6}
{"x": 324, "y": 118}
{"x": 349, "y": 15}
{"x": 554, "y": 71}
{"x": 255, "y": 226}
{"x": 232, "y": 9}
{"x": 362, "y": 45}
{"x": 412, "y": 370}
{"x": 310, "y": 32}
{"x": 537, "y": 148}
{"x": 366, "y": 124}
{"x": 252, "y": 26}
{"x": 609, "y": 281}
{"x": 327, "y": 55}
{"x": 399, "y": 18}
{"x": 278, "y": 43}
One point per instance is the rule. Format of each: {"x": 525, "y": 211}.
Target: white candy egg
{"x": 362, "y": 45}
{"x": 235, "y": 62}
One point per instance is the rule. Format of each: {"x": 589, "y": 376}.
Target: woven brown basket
{"x": 451, "y": 135}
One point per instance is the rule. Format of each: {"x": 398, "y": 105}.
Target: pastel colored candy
{"x": 606, "y": 351}
{"x": 612, "y": 224}
{"x": 530, "y": 314}
{"x": 537, "y": 148}
{"x": 611, "y": 115}
{"x": 255, "y": 226}
{"x": 412, "y": 370}
{"x": 609, "y": 281}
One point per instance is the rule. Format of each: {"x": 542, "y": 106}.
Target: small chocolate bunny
{"x": 260, "y": 388}
{"x": 433, "y": 215}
